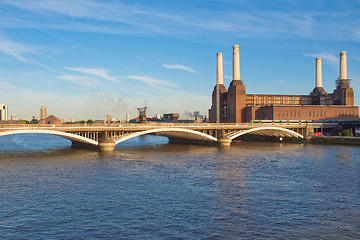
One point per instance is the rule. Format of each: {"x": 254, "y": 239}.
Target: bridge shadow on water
{"x": 46, "y": 145}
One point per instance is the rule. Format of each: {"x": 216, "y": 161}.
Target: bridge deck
{"x": 111, "y": 134}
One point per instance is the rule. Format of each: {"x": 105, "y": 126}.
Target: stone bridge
{"x": 105, "y": 137}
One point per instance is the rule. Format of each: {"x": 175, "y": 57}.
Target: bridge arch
{"x": 267, "y": 130}
{"x": 68, "y": 136}
{"x": 196, "y": 134}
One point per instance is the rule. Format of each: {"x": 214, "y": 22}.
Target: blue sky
{"x": 162, "y": 54}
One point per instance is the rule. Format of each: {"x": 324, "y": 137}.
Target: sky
{"x": 162, "y": 54}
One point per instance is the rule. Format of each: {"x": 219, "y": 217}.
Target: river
{"x": 149, "y": 189}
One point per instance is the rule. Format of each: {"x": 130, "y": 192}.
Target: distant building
{"x": 3, "y": 112}
{"x": 108, "y": 118}
{"x": 171, "y": 117}
{"x": 34, "y": 117}
{"x": 234, "y": 105}
{"x": 128, "y": 117}
{"x": 52, "y": 120}
{"x": 63, "y": 120}
{"x": 13, "y": 117}
{"x": 43, "y": 113}
{"x": 198, "y": 120}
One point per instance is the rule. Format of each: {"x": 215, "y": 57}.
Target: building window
{"x": 320, "y": 113}
{"x": 279, "y": 113}
{"x": 287, "y": 113}
{"x": 290, "y": 113}
{"x": 299, "y": 113}
{"x": 295, "y": 113}
{"x": 317, "y": 113}
{"x": 283, "y": 113}
{"x": 310, "y": 113}
{"x": 325, "y": 113}
{"x": 335, "y": 113}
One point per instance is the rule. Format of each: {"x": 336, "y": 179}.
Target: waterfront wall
{"x": 336, "y": 140}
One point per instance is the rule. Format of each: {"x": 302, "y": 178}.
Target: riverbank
{"x": 335, "y": 140}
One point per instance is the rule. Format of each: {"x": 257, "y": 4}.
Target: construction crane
{"x": 142, "y": 114}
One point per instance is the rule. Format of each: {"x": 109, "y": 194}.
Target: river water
{"x": 149, "y": 189}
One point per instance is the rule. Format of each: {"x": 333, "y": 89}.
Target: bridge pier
{"x": 106, "y": 146}
{"x": 224, "y": 142}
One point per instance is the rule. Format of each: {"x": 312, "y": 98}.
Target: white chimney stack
{"x": 236, "y": 63}
{"x": 343, "y": 70}
{"x": 219, "y": 80}
{"x": 219, "y": 69}
{"x": 318, "y": 76}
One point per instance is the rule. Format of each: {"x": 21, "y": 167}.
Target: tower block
{"x": 343, "y": 94}
{"x": 317, "y": 95}
{"x": 236, "y": 97}
{"x": 217, "y": 113}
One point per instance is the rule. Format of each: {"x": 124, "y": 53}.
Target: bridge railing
{"x": 150, "y": 124}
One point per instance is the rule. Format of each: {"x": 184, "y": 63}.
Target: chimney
{"x": 343, "y": 71}
{"x": 219, "y": 69}
{"x": 318, "y": 79}
{"x": 219, "y": 80}
{"x": 236, "y": 63}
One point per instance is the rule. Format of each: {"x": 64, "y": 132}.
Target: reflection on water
{"x": 149, "y": 189}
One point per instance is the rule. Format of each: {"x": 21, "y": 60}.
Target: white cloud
{"x": 327, "y": 57}
{"x": 151, "y": 81}
{"x": 98, "y": 72}
{"x": 13, "y": 48}
{"x": 81, "y": 80}
{"x": 246, "y": 21}
{"x": 178, "y": 66}
{"x": 6, "y": 85}
{"x": 228, "y": 77}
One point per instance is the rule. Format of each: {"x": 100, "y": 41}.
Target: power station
{"x": 233, "y": 105}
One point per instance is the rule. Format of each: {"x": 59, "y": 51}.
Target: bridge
{"x": 104, "y": 137}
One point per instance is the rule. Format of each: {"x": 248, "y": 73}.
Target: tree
{"x": 347, "y": 133}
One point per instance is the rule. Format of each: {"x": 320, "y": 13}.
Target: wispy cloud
{"x": 98, "y": 72}
{"x": 178, "y": 66}
{"x": 6, "y": 85}
{"x": 241, "y": 17}
{"x": 151, "y": 81}
{"x": 13, "y": 48}
{"x": 81, "y": 80}
{"x": 228, "y": 77}
{"x": 327, "y": 57}
{"x": 357, "y": 58}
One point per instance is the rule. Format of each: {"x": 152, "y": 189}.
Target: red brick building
{"x": 233, "y": 105}
{"x": 50, "y": 120}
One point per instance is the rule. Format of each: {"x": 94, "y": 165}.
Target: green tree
{"x": 347, "y": 133}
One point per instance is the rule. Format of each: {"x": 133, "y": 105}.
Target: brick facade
{"x": 237, "y": 106}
